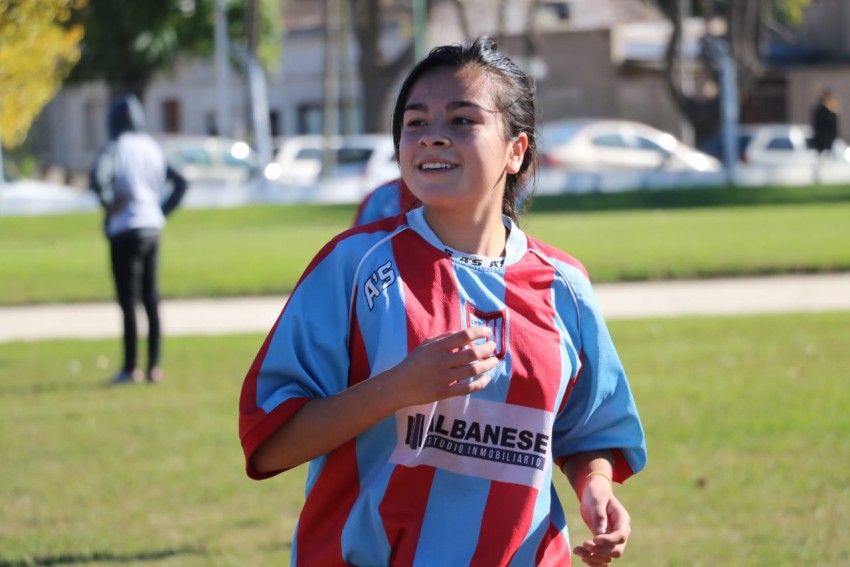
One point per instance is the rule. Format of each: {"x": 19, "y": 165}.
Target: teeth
{"x": 436, "y": 166}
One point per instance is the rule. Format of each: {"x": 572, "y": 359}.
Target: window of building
{"x": 171, "y": 116}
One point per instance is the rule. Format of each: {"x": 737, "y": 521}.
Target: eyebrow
{"x": 454, "y": 105}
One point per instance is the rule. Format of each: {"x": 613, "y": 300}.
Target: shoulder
{"x": 352, "y": 245}
{"x": 557, "y": 257}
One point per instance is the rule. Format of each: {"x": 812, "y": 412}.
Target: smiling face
{"x": 453, "y": 150}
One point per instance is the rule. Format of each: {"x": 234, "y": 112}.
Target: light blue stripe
{"x": 485, "y": 290}
{"x": 452, "y": 521}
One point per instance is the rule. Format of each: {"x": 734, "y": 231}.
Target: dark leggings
{"x": 134, "y": 267}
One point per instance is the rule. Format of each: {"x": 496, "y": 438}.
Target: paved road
{"x": 803, "y": 293}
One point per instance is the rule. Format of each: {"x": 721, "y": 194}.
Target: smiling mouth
{"x": 433, "y": 166}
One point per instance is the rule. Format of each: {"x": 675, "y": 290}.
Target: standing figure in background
{"x": 825, "y": 122}
{"x": 130, "y": 177}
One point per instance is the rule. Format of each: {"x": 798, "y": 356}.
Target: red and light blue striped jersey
{"x": 462, "y": 481}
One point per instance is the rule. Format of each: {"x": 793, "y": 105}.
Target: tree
{"x": 129, "y": 41}
{"x": 37, "y": 51}
{"x": 377, "y": 73}
{"x": 742, "y": 23}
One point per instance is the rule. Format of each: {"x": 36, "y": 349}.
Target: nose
{"x": 433, "y": 136}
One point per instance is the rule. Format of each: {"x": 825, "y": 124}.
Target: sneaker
{"x": 155, "y": 375}
{"x": 127, "y": 376}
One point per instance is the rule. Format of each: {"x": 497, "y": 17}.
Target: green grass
{"x": 626, "y": 236}
{"x": 746, "y": 420}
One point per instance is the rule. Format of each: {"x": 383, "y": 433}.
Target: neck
{"x": 483, "y": 235}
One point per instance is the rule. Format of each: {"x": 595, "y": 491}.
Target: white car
{"x": 208, "y": 159}
{"x": 786, "y": 144}
{"x": 778, "y": 145}
{"x": 363, "y": 161}
{"x": 608, "y": 145}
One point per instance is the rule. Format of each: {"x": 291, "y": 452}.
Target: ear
{"x": 516, "y": 153}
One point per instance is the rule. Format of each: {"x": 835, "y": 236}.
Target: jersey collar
{"x": 515, "y": 247}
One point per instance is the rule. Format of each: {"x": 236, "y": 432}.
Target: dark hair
{"x": 515, "y": 99}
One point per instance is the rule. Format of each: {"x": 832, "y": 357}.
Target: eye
{"x": 413, "y": 122}
{"x": 462, "y": 120}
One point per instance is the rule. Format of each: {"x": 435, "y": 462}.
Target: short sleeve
{"x": 305, "y": 355}
{"x": 600, "y": 412}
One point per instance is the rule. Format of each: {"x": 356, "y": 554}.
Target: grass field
{"x": 263, "y": 250}
{"x": 746, "y": 419}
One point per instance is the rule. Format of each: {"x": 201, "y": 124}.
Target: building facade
{"x": 581, "y": 52}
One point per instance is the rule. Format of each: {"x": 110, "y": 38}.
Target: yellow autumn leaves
{"x": 37, "y": 51}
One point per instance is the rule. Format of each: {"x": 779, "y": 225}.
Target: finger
{"x": 616, "y": 537}
{"x": 471, "y": 368}
{"x": 469, "y": 386}
{"x": 474, "y": 353}
{"x": 463, "y": 338}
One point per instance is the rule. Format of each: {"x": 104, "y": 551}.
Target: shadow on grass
{"x": 71, "y": 384}
{"x": 691, "y": 198}
{"x": 97, "y": 557}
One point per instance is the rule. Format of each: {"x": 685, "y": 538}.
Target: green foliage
{"x": 746, "y": 422}
{"x": 128, "y": 42}
{"x": 37, "y": 51}
{"x": 788, "y": 12}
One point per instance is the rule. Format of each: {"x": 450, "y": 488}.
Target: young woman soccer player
{"x": 435, "y": 367}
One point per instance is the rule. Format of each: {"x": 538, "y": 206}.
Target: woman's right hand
{"x": 440, "y": 367}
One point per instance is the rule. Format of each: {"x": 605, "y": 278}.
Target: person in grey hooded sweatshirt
{"x": 137, "y": 189}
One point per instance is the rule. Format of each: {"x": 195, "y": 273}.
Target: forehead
{"x": 444, "y": 85}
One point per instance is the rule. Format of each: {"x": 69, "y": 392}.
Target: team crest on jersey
{"x": 495, "y": 320}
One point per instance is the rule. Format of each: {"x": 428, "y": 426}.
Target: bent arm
{"x": 324, "y": 424}
{"x": 178, "y": 189}
{"x": 435, "y": 370}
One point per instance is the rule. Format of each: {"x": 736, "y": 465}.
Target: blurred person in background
{"x": 387, "y": 200}
{"x": 138, "y": 190}
{"x": 825, "y": 122}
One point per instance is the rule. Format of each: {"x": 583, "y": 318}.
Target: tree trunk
{"x": 744, "y": 24}
{"x": 377, "y": 75}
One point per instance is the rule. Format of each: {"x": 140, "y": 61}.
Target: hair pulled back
{"x": 515, "y": 99}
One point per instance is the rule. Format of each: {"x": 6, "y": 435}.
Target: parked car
{"x": 364, "y": 161}
{"x": 776, "y": 145}
{"x": 212, "y": 159}
{"x": 612, "y": 145}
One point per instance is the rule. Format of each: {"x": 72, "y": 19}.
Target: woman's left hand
{"x": 608, "y": 521}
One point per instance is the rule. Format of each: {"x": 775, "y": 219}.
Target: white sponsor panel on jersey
{"x": 476, "y": 437}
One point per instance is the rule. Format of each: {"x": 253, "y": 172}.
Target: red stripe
{"x": 505, "y": 522}
{"x": 554, "y": 550}
{"x": 534, "y": 339}
{"x": 360, "y": 369}
{"x": 535, "y": 380}
{"x": 427, "y": 277}
{"x": 403, "y": 509}
{"x": 552, "y": 252}
{"x": 327, "y": 509}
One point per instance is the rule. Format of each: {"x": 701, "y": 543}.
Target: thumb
{"x": 601, "y": 527}
{"x": 600, "y": 521}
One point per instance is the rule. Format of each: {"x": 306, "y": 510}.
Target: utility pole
{"x": 331, "y": 84}
{"x": 222, "y": 70}
{"x": 685, "y": 81}
{"x": 420, "y": 17}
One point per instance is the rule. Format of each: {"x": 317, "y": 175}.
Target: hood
{"x": 125, "y": 115}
